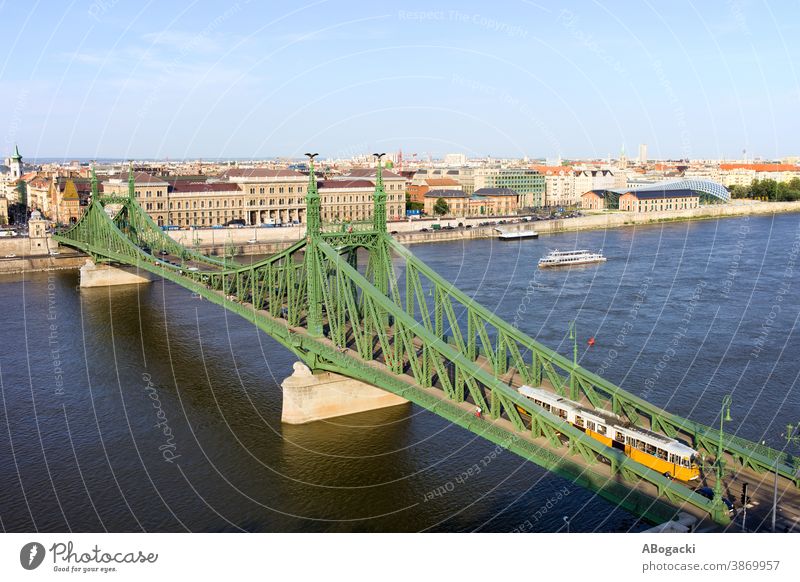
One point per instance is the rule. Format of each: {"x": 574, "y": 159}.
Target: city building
{"x": 642, "y": 153}
{"x": 416, "y": 192}
{"x": 256, "y": 196}
{"x": 594, "y": 200}
{"x": 455, "y": 160}
{"x": 15, "y": 165}
{"x": 55, "y": 197}
{"x": 528, "y": 183}
{"x": 151, "y": 193}
{"x": 457, "y": 202}
{"x": 204, "y": 203}
{"x": 665, "y": 195}
{"x": 559, "y": 184}
{"x": 483, "y": 202}
{"x": 597, "y": 179}
{"x": 655, "y": 201}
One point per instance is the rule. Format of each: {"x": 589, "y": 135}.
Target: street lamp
{"x": 792, "y": 436}
{"x": 566, "y": 522}
{"x": 724, "y": 416}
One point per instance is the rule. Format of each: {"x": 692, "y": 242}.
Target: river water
{"x": 145, "y": 409}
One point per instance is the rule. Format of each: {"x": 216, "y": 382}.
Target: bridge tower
{"x": 131, "y": 184}
{"x": 379, "y": 199}
{"x": 313, "y": 228}
{"x": 379, "y": 256}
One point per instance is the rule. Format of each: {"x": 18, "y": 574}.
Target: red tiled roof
{"x": 181, "y": 186}
{"x": 441, "y": 182}
{"x": 552, "y": 170}
{"x": 761, "y": 167}
{"x": 370, "y": 173}
{"x": 259, "y": 173}
{"x": 345, "y": 184}
{"x": 139, "y": 178}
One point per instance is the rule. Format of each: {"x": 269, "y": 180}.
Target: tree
{"x": 440, "y": 208}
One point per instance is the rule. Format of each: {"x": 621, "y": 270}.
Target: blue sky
{"x": 111, "y": 78}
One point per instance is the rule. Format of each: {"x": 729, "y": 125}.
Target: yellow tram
{"x": 668, "y": 456}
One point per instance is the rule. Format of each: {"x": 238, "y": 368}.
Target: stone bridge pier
{"x": 103, "y": 275}
{"x": 309, "y": 396}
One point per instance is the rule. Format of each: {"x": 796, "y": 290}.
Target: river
{"x": 145, "y": 409}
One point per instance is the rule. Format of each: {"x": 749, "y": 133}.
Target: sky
{"x": 513, "y": 78}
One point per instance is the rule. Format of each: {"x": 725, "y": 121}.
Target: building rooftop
{"x": 371, "y": 173}
{"x": 656, "y": 194}
{"x": 254, "y": 173}
{"x": 345, "y": 184}
{"x": 496, "y": 192}
{"x": 138, "y": 178}
{"x": 180, "y": 186}
{"x": 446, "y": 194}
{"x": 441, "y": 182}
{"x": 761, "y": 167}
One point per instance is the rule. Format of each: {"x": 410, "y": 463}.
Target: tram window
{"x": 673, "y": 459}
{"x": 590, "y": 425}
{"x": 651, "y": 450}
{"x": 601, "y": 429}
{"x": 578, "y": 421}
{"x": 620, "y": 437}
{"x": 546, "y": 407}
{"x": 562, "y": 413}
{"x": 537, "y": 402}
{"x": 661, "y": 453}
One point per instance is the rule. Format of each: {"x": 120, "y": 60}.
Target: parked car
{"x": 235, "y": 222}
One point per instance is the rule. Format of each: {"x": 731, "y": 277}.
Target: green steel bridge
{"x": 349, "y": 299}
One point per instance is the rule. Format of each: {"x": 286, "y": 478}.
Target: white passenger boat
{"x": 566, "y": 258}
{"x": 517, "y": 235}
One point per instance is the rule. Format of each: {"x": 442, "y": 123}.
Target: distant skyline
{"x": 113, "y": 79}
